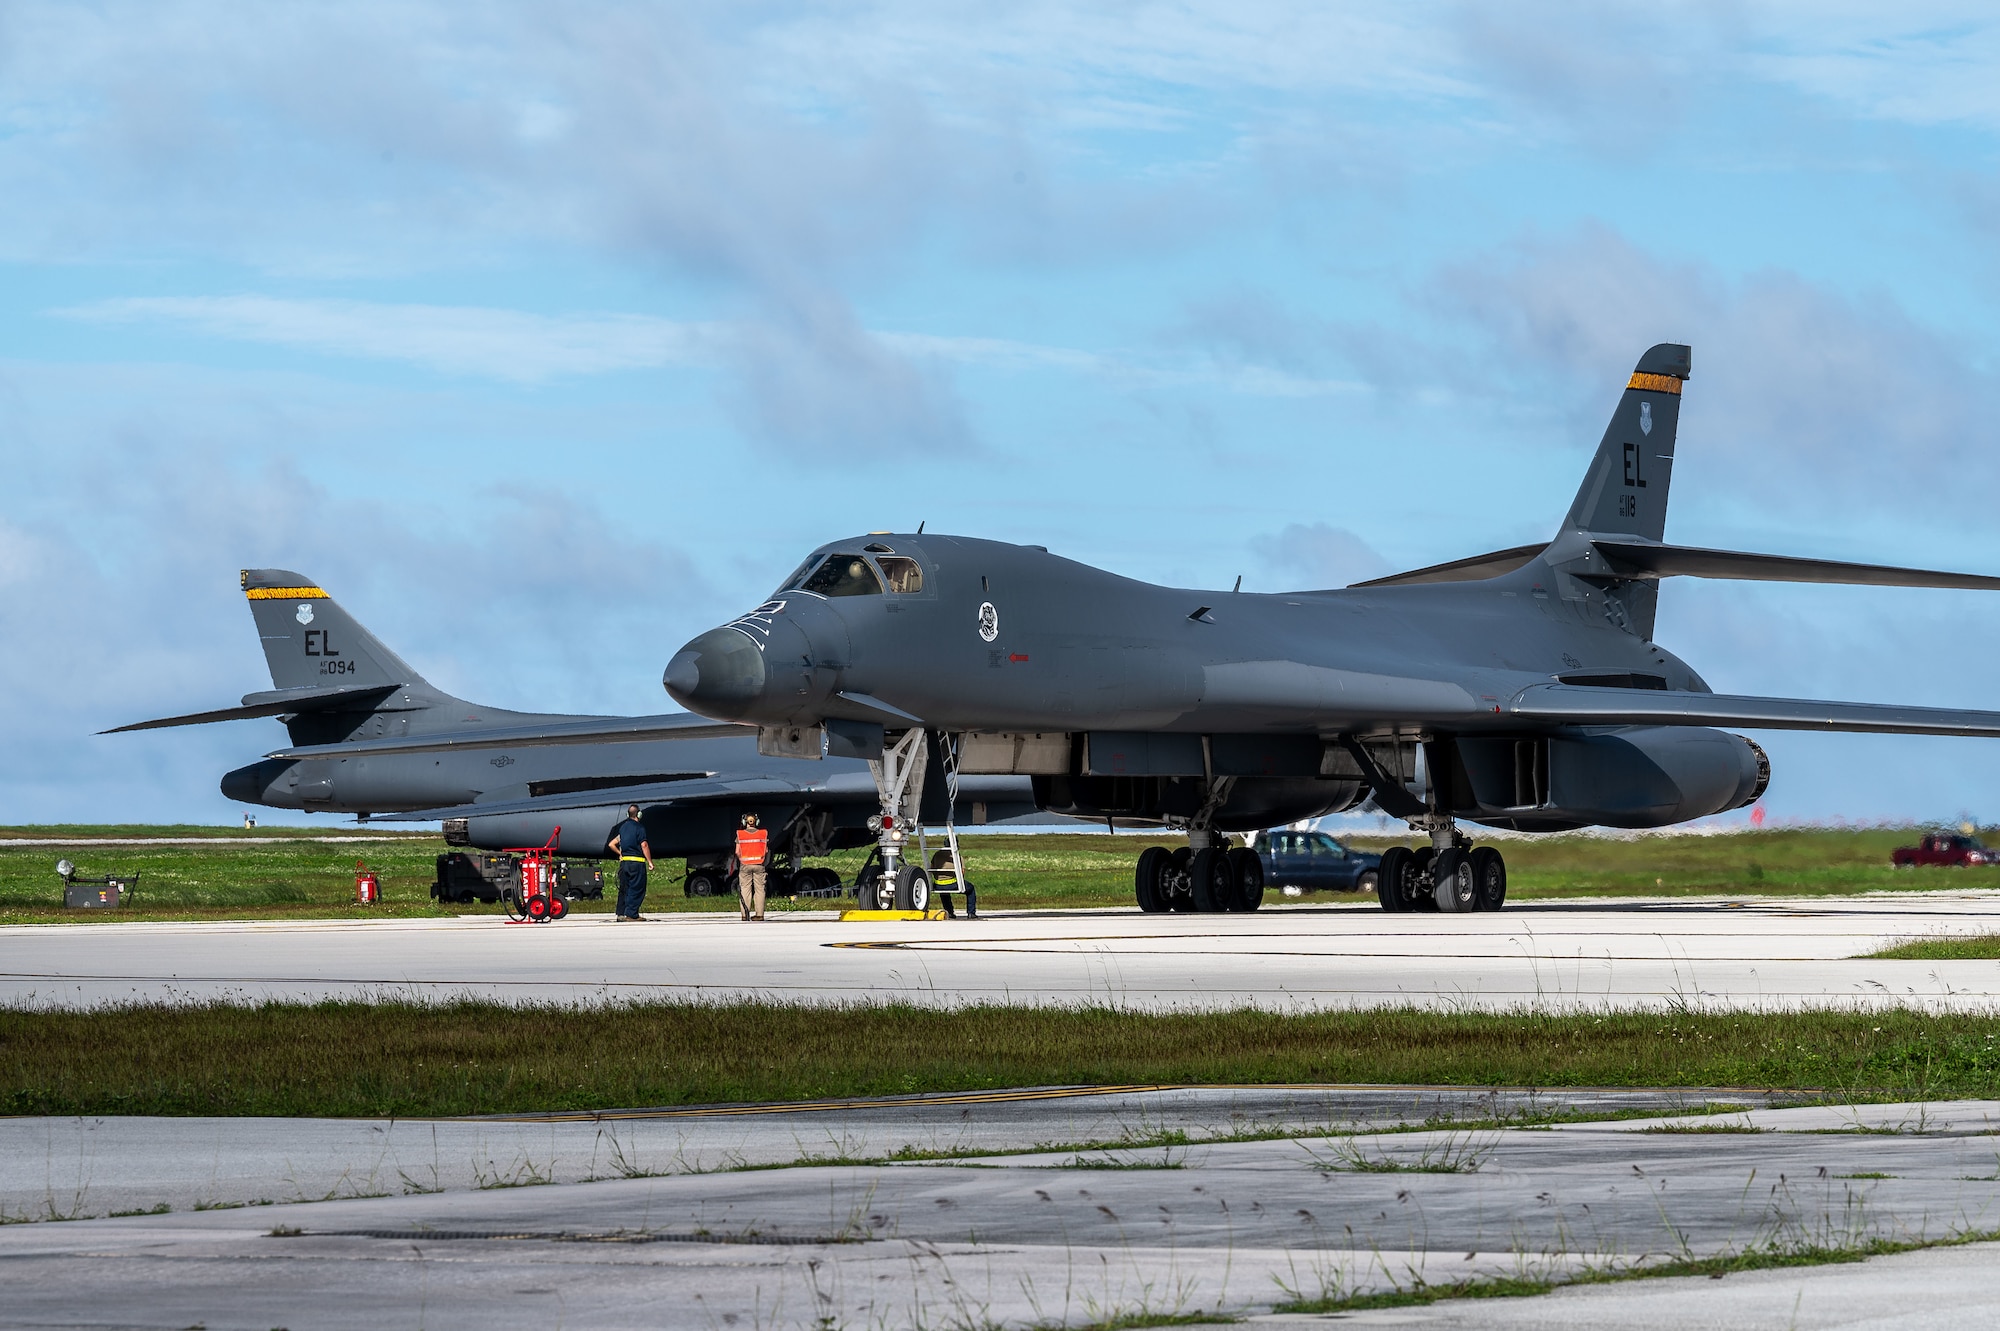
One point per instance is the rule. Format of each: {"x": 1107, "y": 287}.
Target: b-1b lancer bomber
{"x": 371, "y": 736}
{"x": 1528, "y": 679}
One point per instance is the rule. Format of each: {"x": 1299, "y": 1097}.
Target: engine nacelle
{"x": 1637, "y": 777}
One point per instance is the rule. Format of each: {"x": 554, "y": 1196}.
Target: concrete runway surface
{"x": 1064, "y": 1231}
{"x": 1757, "y": 952}
{"x": 1056, "y": 1206}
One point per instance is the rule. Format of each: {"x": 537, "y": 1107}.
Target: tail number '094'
{"x": 338, "y": 668}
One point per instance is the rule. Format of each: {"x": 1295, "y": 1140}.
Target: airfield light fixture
{"x": 65, "y": 870}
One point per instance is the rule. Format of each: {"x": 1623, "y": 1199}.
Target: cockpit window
{"x": 799, "y": 574}
{"x": 904, "y": 574}
{"x": 843, "y": 575}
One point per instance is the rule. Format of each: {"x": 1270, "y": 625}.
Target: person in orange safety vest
{"x": 752, "y": 849}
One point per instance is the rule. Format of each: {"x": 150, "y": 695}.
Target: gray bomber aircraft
{"x": 342, "y": 693}
{"x": 1527, "y": 680}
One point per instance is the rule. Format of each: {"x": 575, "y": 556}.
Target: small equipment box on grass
{"x": 94, "y": 893}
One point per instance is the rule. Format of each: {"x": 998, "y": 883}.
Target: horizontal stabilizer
{"x": 275, "y": 702}
{"x": 1572, "y": 705}
{"x": 1644, "y": 559}
{"x": 597, "y": 730}
{"x": 1474, "y": 569}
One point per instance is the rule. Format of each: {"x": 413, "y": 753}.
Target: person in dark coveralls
{"x": 635, "y": 857}
{"x": 753, "y": 845}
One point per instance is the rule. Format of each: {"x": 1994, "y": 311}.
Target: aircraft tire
{"x": 913, "y": 888}
{"x": 1146, "y": 879}
{"x": 868, "y": 892}
{"x": 1455, "y": 892}
{"x": 1174, "y": 890}
{"x": 1489, "y": 877}
{"x": 703, "y": 883}
{"x": 1210, "y": 877}
{"x": 1389, "y": 876}
{"x": 1248, "y": 871}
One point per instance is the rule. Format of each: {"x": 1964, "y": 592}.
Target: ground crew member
{"x": 752, "y": 844}
{"x": 635, "y": 857}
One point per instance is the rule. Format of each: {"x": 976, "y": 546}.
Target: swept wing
{"x": 601, "y": 730}
{"x": 1570, "y": 704}
{"x": 648, "y": 794}
{"x": 840, "y": 786}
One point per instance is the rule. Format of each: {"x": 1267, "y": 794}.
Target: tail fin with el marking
{"x": 1625, "y": 491}
{"x": 309, "y": 641}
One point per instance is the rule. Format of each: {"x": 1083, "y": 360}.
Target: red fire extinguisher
{"x": 367, "y": 890}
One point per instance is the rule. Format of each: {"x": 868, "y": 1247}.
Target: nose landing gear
{"x": 889, "y": 881}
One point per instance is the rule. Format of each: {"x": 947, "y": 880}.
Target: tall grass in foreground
{"x": 359, "y": 1059}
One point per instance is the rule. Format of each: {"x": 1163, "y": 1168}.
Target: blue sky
{"x": 547, "y": 336}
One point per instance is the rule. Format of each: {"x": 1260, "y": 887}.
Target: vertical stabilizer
{"x": 1625, "y": 491}
{"x": 309, "y": 640}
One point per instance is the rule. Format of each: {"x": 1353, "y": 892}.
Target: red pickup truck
{"x": 1945, "y": 848}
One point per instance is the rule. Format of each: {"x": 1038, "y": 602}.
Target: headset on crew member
{"x": 752, "y": 849}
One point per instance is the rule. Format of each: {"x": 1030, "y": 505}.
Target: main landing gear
{"x": 1449, "y": 875}
{"x": 1198, "y": 877}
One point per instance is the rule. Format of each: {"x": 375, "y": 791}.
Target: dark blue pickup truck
{"x": 1299, "y": 862}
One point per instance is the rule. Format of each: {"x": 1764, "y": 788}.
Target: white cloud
{"x": 502, "y": 344}
{"x": 516, "y": 346}
{"x": 120, "y": 595}
{"x": 1318, "y": 555}
{"x": 1803, "y": 396}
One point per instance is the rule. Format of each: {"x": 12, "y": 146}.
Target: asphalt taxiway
{"x": 1753, "y": 952}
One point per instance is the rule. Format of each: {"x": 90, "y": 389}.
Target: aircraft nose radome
{"x": 717, "y": 674}
{"x": 683, "y": 674}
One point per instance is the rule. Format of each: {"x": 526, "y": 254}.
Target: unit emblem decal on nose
{"x": 305, "y": 612}
{"x": 989, "y": 621}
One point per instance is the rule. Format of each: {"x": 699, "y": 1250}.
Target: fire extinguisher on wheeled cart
{"x": 537, "y": 898}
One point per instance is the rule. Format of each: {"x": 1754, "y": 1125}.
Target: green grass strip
{"x": 1761, "y": 1257}
{"x": 349, "y": 1059}
{"x": 1978, "y": 947}
{"x": 239, "y": 874}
